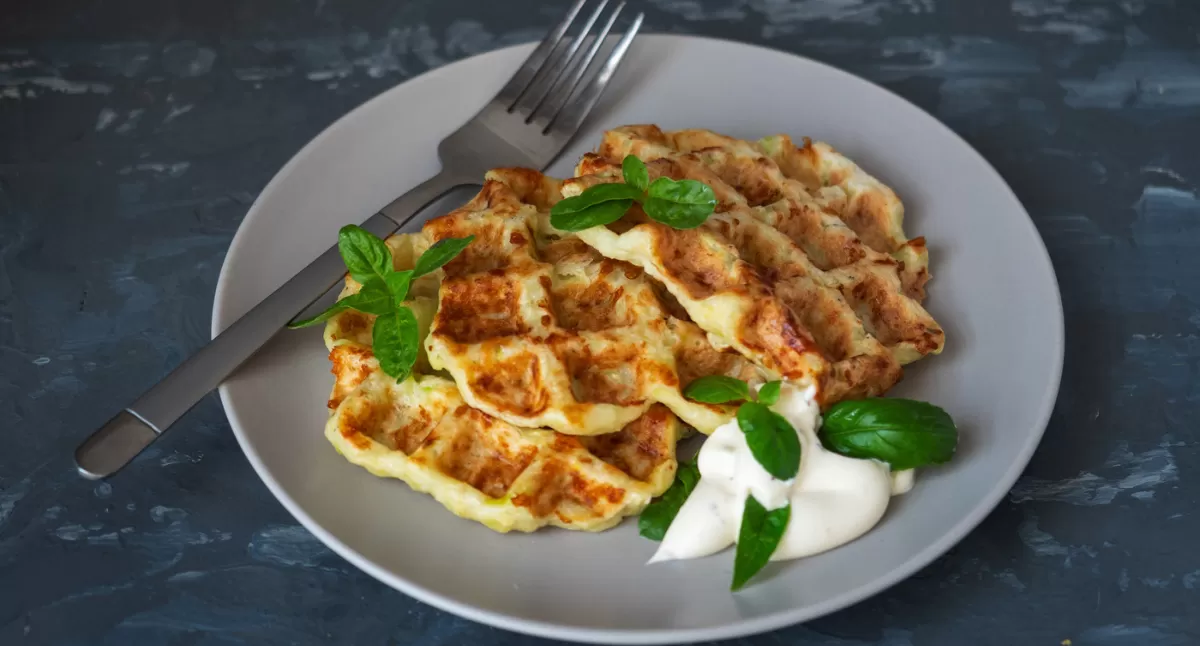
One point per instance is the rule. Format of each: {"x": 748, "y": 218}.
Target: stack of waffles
{"x": 549, "y": 387}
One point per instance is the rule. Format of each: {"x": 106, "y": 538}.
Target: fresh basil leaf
{"x": 683, "y": 204}
{"x": 395, "y": 342}
{"x": 594, "y": 216}
{"x": 364, "y": 253}
{"x": 683, "y": 191}
{"x": 676, "y": 216}
{"x": 769, "y": 393}
{"x": 635, "y": 172}
{"x": 442, "y": 252}
{"x": 771, "y": 439}
{"x": 373, "y": 298}
{"x": 657, "y": 517}
{"x": 717, "y": 389}
{"x": 904, "y": 433}
{"x": 398, "y": 283}
{"x": 758, "y": 537}
{"x": 591, "y": 197}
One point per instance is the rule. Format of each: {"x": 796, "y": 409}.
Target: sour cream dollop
{"x": 834, "y": 499}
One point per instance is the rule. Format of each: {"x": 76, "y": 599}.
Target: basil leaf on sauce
{"x": 771, "y": 439}
{"x": 717, "y": 389}
{"x": 758, "y": 537}
{"x": 769, "y": 393}
{"x": 657, "y": 517}
{"x": 904, "y": 433}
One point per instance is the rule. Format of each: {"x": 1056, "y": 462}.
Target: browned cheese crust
{"x": 803, "y": 268}
{"x": 540, "y": 330}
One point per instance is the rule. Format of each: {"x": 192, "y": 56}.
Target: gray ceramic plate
{"x": 993, "y": 289}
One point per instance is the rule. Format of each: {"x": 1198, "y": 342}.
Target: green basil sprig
{"x": 775, "y": 445}
{"x": 657, "y": 517}
{"x": 682, "y": 204}
{"x": 759, "y": 535}
{"x": 395, "y": 337}
{"x": 771, "y": 439}
{"x": 904, "y": 433}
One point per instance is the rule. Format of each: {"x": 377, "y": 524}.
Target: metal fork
{"x": 527, "y": 123}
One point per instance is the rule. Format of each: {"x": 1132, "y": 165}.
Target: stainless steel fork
{"x": 527, "y": 124}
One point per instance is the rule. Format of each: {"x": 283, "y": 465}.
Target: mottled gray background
{"x": 134, "y": 135}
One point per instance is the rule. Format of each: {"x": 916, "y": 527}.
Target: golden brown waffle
{"x": 479, "y": 467}
{"x": 539, "y": 330}
{"x": 860, "y": 202}
{"x": 782, "y": 271}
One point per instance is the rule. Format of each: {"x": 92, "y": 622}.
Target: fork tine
{"x": 558, "y": 95}
{"x": 529, "y": 69}
{"x": 567, "y": 121}
{"x": 554, "y": 67}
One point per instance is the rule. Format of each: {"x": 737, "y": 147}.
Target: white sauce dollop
{"x": 834, "y": 499}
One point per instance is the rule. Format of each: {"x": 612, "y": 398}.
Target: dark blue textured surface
{"x": 134, "y": 136}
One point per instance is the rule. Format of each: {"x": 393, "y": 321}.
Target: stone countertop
{"x": 134, "y": 135}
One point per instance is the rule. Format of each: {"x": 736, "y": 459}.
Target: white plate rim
{"x": 736, "y": 629}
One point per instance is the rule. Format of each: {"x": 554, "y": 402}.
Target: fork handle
{"x": 119, "y": 440}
